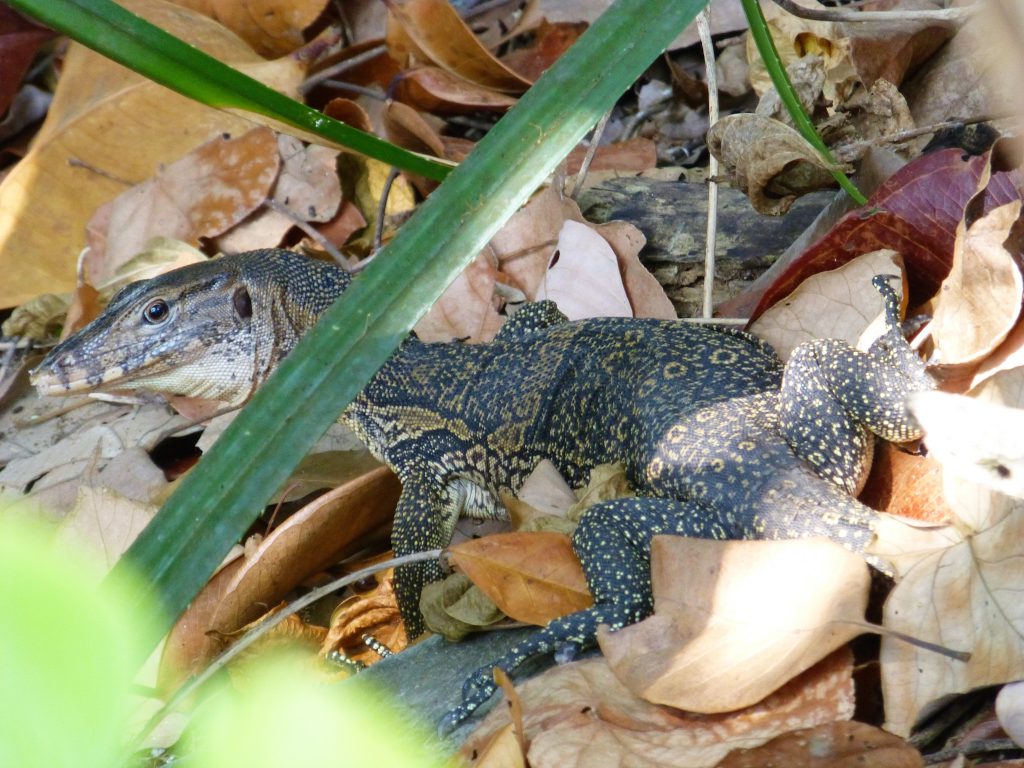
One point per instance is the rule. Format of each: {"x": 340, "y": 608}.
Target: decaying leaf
{"x": 736, "y": 620}
{"x": 271, "y": 27}
{"x": 769, "y": 161}
{"x": 843, "y": 744}
{"x": 456, "y": 607}
{"x": 532, "y": 576}
{"x": 839, "y": 304}
{"x": 979, "y": 302}
{"x": 205, "y": 193}
{"x": 105, "y": 522}
{"x": 432, "y": 31}
{"x": 579, "y": 714}
{"x": 966, "y": 598}
{"x": 311, "y": 539}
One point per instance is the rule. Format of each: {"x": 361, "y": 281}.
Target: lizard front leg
{"x": 425, "y": 519}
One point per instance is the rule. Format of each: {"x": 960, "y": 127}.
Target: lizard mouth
{"x": 53, "y": 379}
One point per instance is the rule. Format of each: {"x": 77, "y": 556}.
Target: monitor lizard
{"x": 717, "y": 439}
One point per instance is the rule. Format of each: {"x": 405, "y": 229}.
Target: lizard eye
{"x": 156, "y": 312}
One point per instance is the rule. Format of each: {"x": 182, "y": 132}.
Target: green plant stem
{"x": 132, "y": 41}
{"x": 772, "y": 62}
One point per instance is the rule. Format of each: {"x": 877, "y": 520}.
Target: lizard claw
{"x": 477, "y": 689}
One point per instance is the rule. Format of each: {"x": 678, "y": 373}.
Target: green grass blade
{"x": 773, "y": 64}
{"x": 132, "y": 41}
{"x": 218, "y": 500}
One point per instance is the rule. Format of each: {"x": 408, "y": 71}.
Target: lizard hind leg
{"x": 613, "y": 542}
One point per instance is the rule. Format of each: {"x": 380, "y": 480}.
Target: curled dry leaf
{"x": 736, "y": 620}
{"x": 439, "y": 92}
{"x": 579, "y": 714}
{"x": 432, "y": 31}
{"x": 839, "y": 304}
{"x": 769, "y": 161}
{"x": 1010, "y": 711}
{"x": 455, "y": 607}
{"x": 466, "y": 310}
{"x": 532, "y": 576}
{"x": 544, "y": 492}
{"x": 967, "y": 598}
{"x": 375, "y": 614}
{"x": 205, "y": 193}
{"x": 107, "y": 129}
{"x": 308, "y": 541}
{"x": 844, "y": 744}
{"x": 979, "y": 302}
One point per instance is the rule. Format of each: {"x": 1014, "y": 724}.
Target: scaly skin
{"x": 717, "y": 442}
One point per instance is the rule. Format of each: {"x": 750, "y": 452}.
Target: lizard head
{"x": 212, "y": 330}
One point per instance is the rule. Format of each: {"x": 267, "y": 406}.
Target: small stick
{"x": 841, "y": 14}
{"x": 706, "y": 44}
{"x": 595, "y": 139}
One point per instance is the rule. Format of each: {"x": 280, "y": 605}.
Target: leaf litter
{"x": 955, "y": 581}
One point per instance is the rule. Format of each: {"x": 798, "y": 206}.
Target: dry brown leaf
{"x": 906, "y": 484}
{"x": 903, "y": 542}
{"x": 455, "y": 607}
{"x": 583, "y": 276}
{"x": 440, "y": 92}
{"x": 736, "y": 620}
{"x": 271, "y": 27}
{"x": 579, "y": 714}
{"x": 434, "y": 32}
{"x": 844, "y": 744}
{"x": 548, "y": 41}
{"x": 466, "y": 310}
{"x": 769, "y": 161}
{"x": 107, "y": 129}
{"x": 205, "y": 193}
{"x": 532, "y": 576}
{"x": 646, "y": 295}
{"x": 375, "y": 614}
{"x": 502, "y": 751}
{"x": 307, "y": 186}
{"x": 838, "y": 304}
{"x": 314, "y": 537}
{"x": 966, "y": 598}
{"x": 980, "y": 300}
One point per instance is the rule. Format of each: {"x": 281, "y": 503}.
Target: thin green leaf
{"x": 773, "y": 64}
{"x": 122, "y": 36}
{"x": 218, "y": 500}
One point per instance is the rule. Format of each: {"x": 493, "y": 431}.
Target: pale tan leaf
{"x": 977, "y": 440}
{"x": 544, "y": 492}
{"x": 839, "y": 304}
{"x": 579, "y": 714}
{"x": 966, "y": 598}
{"x": 466, "y": 310}
{"x": 502, "y": 751}
{"x": 980, "y": 300}
{"x": 736, "y": 620}
{"x": 583, "y": 276}
{"x": 647, "y": 297}
{"x": 105, "y": 522}
{"x": 1010, "y": 711}
{"x": 904, "y": 542}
